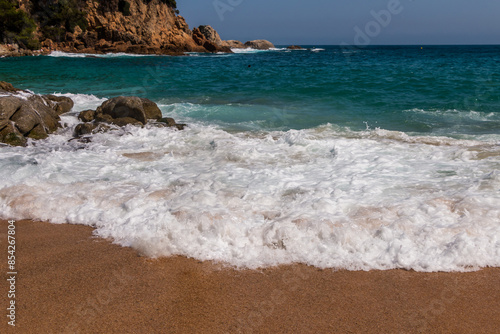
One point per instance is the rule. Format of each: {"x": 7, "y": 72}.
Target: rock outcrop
{"x": 259, "y": 44}
{"x": 295, "y": 47}
{"x": 145, "y": 27}
{"x": 122, "y": 111}
{"x": 13, "y": 50}
{"x": 98, "y": 26}
{"x": 233, "y": 44}
{"x": 210, "y": 34}
{"x": 208, "y": 38}
{"x": 24, "y": 115}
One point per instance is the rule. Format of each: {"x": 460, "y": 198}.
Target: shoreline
{"x": 72, "y": 282}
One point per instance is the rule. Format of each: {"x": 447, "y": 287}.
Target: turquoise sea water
{"x": 451, "y": 90}
{"x": 373, "y": 158}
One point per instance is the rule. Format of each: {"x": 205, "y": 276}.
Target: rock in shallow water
{"x": 130, "y": 106}
{"x": 122, "y": 111}
{"x": 259, "y": 44}
{"x": 24, "y": 115}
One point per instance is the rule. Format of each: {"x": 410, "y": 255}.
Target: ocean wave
{"x": 248, "y": 50}
{"x": 94, "y": 55}
{"x": 83, "y": 101}
{"x": 328, "y": 197}
{"x": 457, "y": 114}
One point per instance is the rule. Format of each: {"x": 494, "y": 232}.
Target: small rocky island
{"x": 25, "y": 115}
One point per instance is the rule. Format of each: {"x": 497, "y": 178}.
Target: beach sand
{"x": 71, "y": 282}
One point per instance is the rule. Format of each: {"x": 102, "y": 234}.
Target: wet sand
{"x": 71, "y": 282}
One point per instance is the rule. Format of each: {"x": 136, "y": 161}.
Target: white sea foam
{"x": 105, "y": 55}
{"x": 328, "y": 197}
{"x": 247, "y": 50}
{"x": 83, "y": 101}
{"x": 458, "y": 114}
{"x": 252, "y": 50}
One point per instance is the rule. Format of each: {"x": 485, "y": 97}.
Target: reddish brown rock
{"x": 259, "y": 44}
{"x": 6, "y": 86}
{"x": 233, "y": 44}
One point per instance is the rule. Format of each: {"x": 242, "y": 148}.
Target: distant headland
{"x": 33, "y": 27}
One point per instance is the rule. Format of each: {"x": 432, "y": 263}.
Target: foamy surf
{"x": 247, "y": 50}
{"x": 328, "y": 197}
{"x": 95, "y": 55}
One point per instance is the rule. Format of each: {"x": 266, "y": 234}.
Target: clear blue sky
{"x": 340, "y": 21}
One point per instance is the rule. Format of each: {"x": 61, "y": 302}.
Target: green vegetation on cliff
{"x": 16, "y": 26}
{"x": 29, "y": 25}
{"x": 55, "y": 18}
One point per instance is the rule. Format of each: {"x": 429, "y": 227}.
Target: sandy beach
{"x": 72, "y": 282}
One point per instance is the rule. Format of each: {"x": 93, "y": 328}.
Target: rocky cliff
{"x": 134, "y": 26}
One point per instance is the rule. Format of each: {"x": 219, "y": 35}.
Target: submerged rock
{"x": 170, "y": 122}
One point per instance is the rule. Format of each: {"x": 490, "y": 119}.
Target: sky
{"x": 353, "y": 22}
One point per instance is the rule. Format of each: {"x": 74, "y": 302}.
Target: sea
{"x": 370, "y": 158}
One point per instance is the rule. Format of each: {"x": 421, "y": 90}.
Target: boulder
{"x": 60, "y": 104}
{"x": 87, "y": 115}
{"x": 124, "y": 121}
{"x": 103, "y": 118}
{"x": 28, "y": 115}
{"x": 123, "y": 106}
{"x": 25, "y": 119}
{"x": 84, "y": 129}
{"x": 11, "y": 135}
{"x": 151, "y": 109}
{"x": 134, "y": 107}
{"x": 48, "y": 115}
{"x": 8, "y": 106}
{"x": 295, "y": 47}
{"x": 259, "y": 44}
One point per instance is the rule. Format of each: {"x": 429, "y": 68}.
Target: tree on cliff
{"x": 56, "y": 17}
{"x": 16, "y": 26}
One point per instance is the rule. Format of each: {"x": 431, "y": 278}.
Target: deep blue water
{"x": 441, "y": 90}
